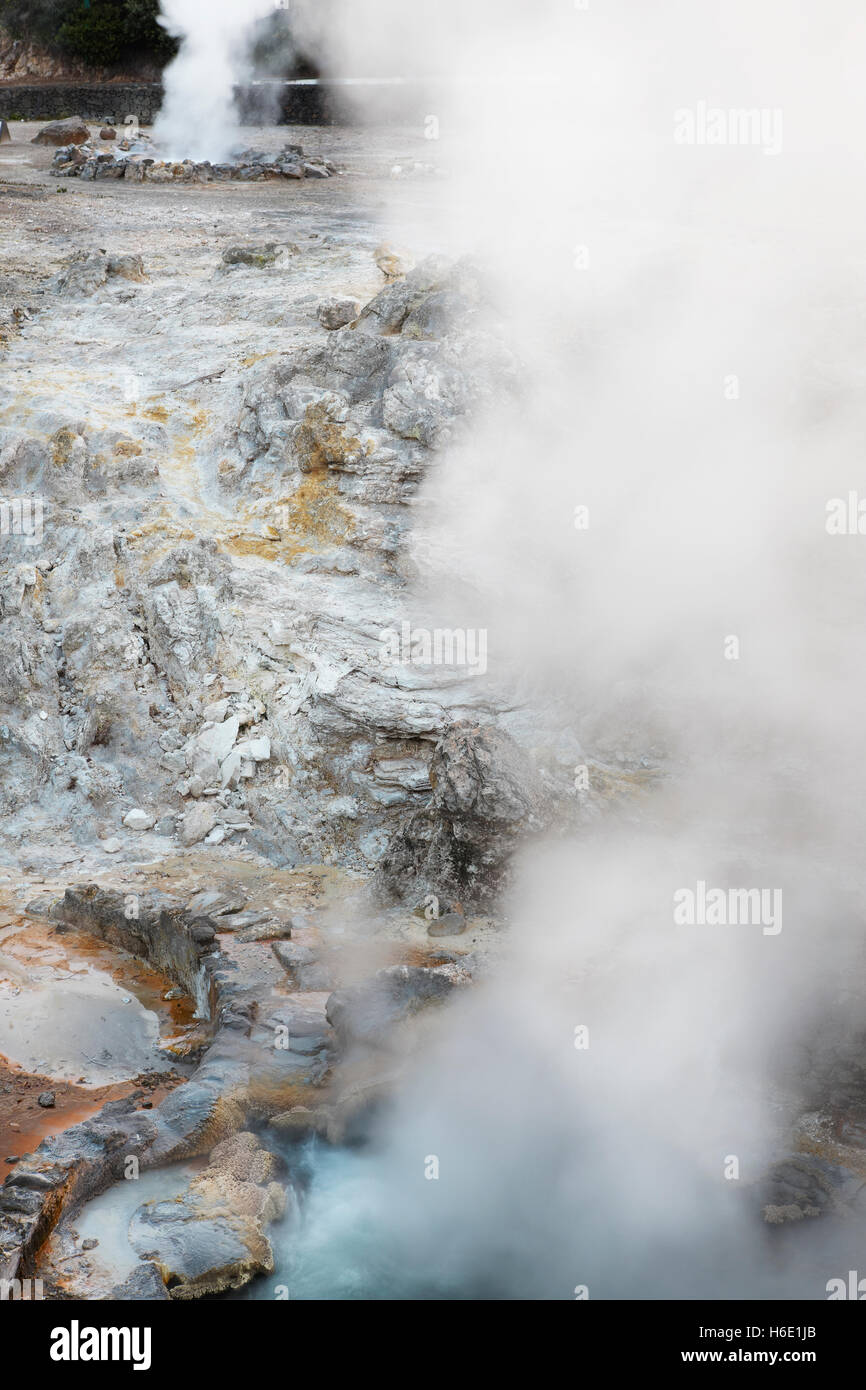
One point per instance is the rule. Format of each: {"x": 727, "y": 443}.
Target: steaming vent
{"x": 139, "y": 159}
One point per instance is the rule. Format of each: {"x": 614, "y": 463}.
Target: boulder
{"x": 88, "y": 271}
{"x": 256, "y": 256}
{"x": 336, "y": 313}
{"x": 805, "y": 1186}
{"x": 198, "y": 821}
{"x": 71, "y": 131}
{"x": 219, "y": 740}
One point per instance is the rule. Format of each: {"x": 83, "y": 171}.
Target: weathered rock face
{"x": 388, "y": 396}
{"x": 23, "y": 60}
{"x": 439, "y": 289}
{"x": 283, "y": 627}
{"x": 213, "y": 1237}
{"x": 72, "y": 131}
{"x": 486, "y": 795}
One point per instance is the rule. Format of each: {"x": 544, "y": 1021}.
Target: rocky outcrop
{"x": 336, "y": 312}
{"x": 212, "y": 1237}
{"x": 251, "y": 1066}
{"x": 368, "y": 1012}
{"x": 486, "y": 797}
{"x": 88, "y": 271}
{"x": 394, "y": 379}
{"x": 276, "y": 623}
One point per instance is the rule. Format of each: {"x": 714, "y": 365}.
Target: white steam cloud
{"x": 198, "y": 119}
{"x": 687, "y": 309}
{"x": 665, "y": 198}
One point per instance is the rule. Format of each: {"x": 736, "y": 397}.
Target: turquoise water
{"x": 357, "y": 1231}
{"x": 364, "y": 1224}
{"x": 338, "y": 1240}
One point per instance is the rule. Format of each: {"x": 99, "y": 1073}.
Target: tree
{"x": 106, "y": 33}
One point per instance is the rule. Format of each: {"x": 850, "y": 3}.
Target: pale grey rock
{"x": 230, "y": 769}
{"x": 259, "y": 749}
{"x": 216, "y": 712}
{"x": 198, "y": 821}
{"x": 219, "y": 740}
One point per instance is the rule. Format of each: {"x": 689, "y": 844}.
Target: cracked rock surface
{"x": 222, "y": 404}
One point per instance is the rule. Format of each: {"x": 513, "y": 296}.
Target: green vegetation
{"x": 106, "y": 33}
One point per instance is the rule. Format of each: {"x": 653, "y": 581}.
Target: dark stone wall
{"x": 94, "y": 101}
{"x": 260, "y": 103}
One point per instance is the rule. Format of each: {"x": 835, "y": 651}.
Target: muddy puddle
{"x": 81, "y": 1023}
{"x": 77, "y": 1010}
{"x": 90, "y": 1254}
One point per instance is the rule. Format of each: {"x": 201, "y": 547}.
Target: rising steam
{"x": 689, "y": 325}
{"x": 683, "y": 315}
{"x": 198, "y": 119}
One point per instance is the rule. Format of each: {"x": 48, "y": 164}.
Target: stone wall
{"x": 95, "y": 101}
{"x": 259, "y": 103}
